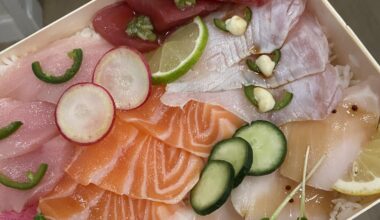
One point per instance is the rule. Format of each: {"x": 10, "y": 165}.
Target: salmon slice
{"x": 70, "y": 200}
{"x": 194, "y": 128}
{"x": 130, "y": 162}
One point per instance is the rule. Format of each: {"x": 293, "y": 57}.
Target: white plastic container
{"x": 346, "y": 45}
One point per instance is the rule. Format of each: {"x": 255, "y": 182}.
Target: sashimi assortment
{"x": 184, "y": 109}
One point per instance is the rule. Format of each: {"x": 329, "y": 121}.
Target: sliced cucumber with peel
{"x": 238, "y": 153}
{"x": 213, "y": 187}
{"x": 269, "y": 146}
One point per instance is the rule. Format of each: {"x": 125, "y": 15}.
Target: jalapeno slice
{"x": 9, "y": 129}
{"x": 34, "y": 178}
{"x": 285, "y": 100}
{"x": 76, "y": 55}
{"x": 221, "y": 23}
{"x": 275, "y": 56}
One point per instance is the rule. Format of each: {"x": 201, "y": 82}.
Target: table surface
{"x": 363, "y": 16}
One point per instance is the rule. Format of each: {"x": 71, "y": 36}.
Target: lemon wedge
{"x": 363, "y": 179}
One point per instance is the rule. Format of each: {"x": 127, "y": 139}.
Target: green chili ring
{"x": 247, "y": 14}
{"x": 76, "y": 55}
{"x": 33, "y": 179}
{"x": 39, "y": 216}
{"x": 253, "y": 66}
{"x": 221, "y": 24}
{"x": 10, "y": 129}
{"x": 286, "y": 99}
{"x": 275, "y": 56}
{"x": 248, "y": 91}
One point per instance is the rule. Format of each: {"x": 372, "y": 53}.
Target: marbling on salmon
{"x": 195, "y": 128}
{"x": 130, "y": 162}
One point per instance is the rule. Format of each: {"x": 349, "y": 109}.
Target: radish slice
{"x": 126, "y": 75}
{"x": 85, "y": 113}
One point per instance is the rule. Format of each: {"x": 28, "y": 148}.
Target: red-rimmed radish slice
{"x": 85, "y": 113}
{"x": 125, "y": 73}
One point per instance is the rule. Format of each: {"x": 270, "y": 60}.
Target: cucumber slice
{"x": 238, "y": 153}
{"x": 213, "y": 188}
{"x": 269, "y": 146}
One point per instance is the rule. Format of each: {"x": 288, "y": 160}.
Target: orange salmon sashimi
{"x": 130, "y": 162}
{"x": 70, "y": 200}
{"x": 194, "y": 128}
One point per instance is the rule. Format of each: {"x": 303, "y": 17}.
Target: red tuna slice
{"x": 18, "y": 81}
{"x": 38, "y": 126}
{"x": 165, "y": 15}
{"x": 56, "y": 153}
{"x": 111, "y": 22}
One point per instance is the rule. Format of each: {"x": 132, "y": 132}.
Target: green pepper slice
{"x": 9, "y": 129}
{"x": 247, "y": 14}
{"x": 275, "y": 55}
{"x": 76, "y": 55}
{"x": 33, "y": 179}
{"x": 248, "y": 91}
{"x": 286, "y": 99}
{"x": 253, "y": 66}
{"x": 39, "y": 216}
{"x": 219, "y": 23}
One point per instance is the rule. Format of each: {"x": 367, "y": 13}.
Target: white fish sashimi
{"x": 18, "y": 81}
{"x": 56, "y": 153}
{"x": 305, "y": 52}
{"x": 258, "y": 197}
{"x": 314, "y": 98}
{"x": 38, "y": 126}
{"x": 340, "y": 137}
{"x": 219, "y": 66}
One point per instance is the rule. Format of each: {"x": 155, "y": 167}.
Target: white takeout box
{"x": 346, "y": 45}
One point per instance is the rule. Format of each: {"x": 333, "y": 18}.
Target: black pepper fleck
{"x": 291, "y": 200}
{"x": 288, "y": 187}
{"x": 333, "y": 111}
{"x": 354, "y": 108}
